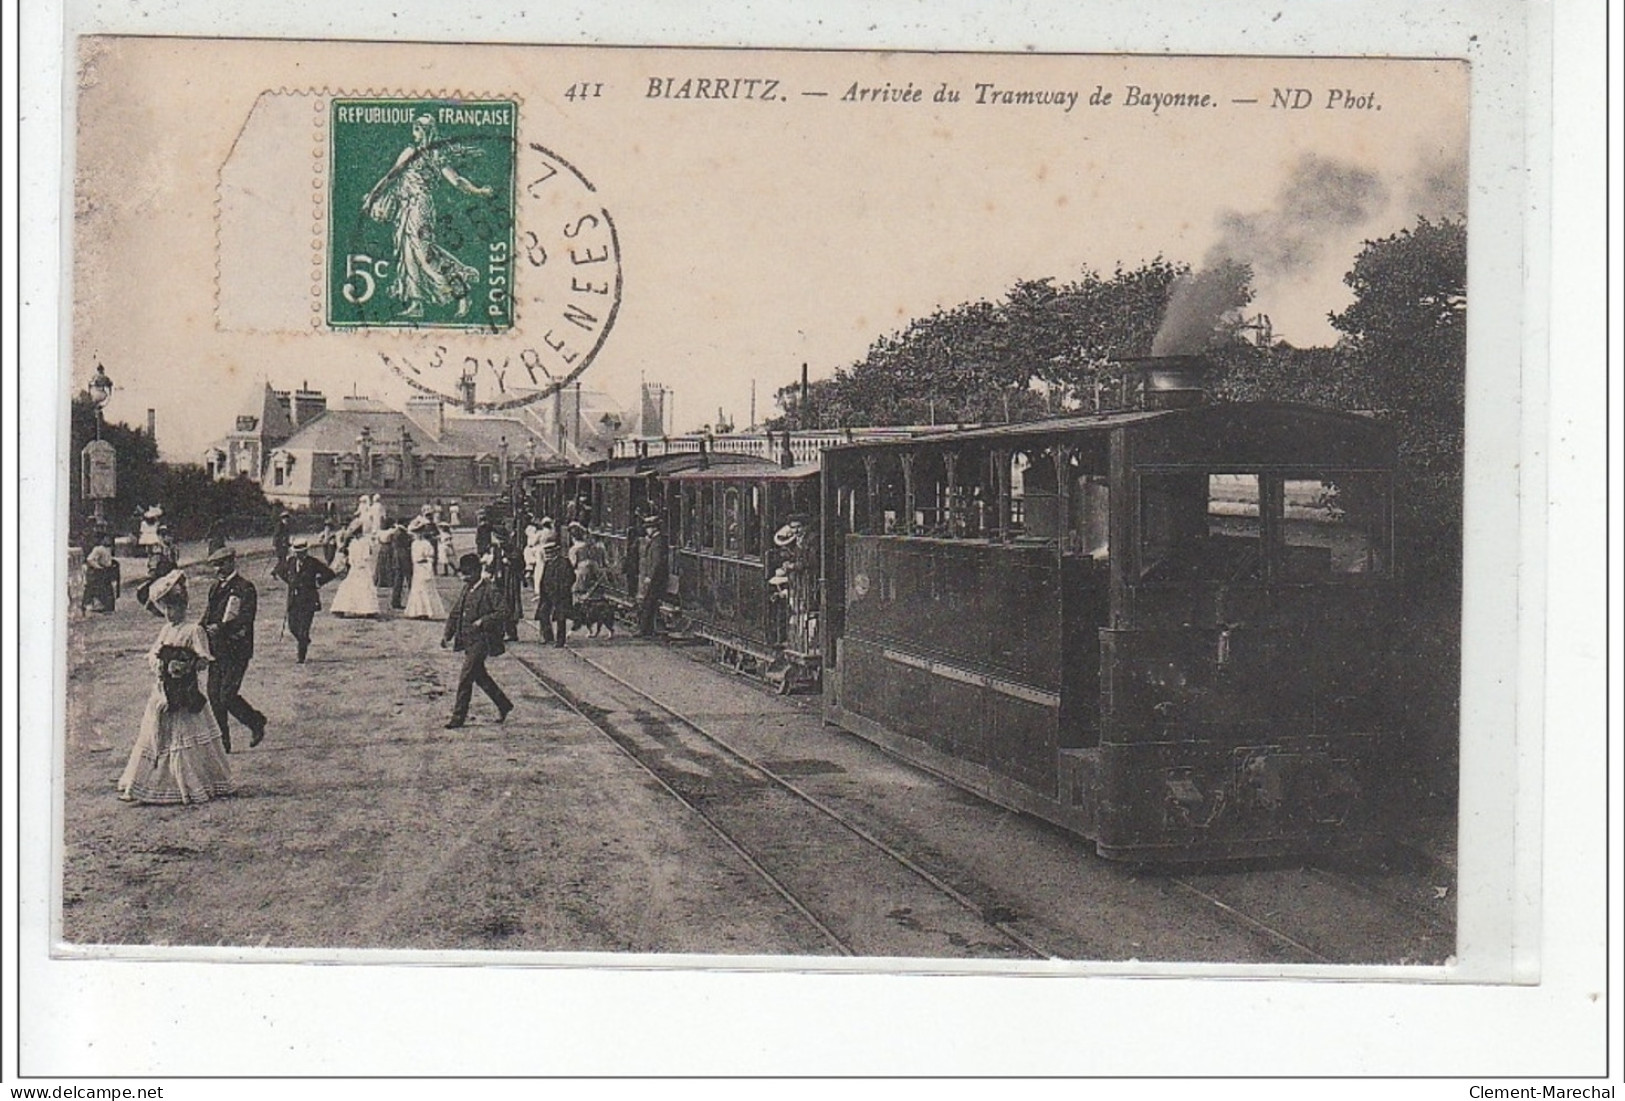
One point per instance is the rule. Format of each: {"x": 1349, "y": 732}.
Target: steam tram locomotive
{"x": 1163, "y": 628}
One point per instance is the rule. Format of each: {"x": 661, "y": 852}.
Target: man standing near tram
{"x": 654, "y": 570}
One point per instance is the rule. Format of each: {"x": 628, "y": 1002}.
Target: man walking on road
{"x": 228, "y": 619}
{"x": 475, "y": 628}
{"x": 305, "y": 576}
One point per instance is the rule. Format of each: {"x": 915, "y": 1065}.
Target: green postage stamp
{"x": 421, "y": 215}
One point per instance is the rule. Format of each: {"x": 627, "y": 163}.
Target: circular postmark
{"x": 442, "y": 220}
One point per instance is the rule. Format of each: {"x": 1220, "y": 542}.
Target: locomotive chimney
{"x": 1170, "y": 382}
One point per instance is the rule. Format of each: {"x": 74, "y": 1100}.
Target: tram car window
{"x": 1163, "y": 628}
{"x": 748, "y": 566}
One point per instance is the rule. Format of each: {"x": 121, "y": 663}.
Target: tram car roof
{"x": 664, "y": 465}
{"x": 755, "y": 470}
{"x": 1295, "y": 412}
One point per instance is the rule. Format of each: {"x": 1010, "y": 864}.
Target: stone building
{"x": 309, "y": 455}
{"x": 264, "y": 420}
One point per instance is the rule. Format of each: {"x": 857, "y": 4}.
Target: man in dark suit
{"x": 281, "y": 541}
{"x": 475, "y": 628}
{"x": 228, "y": 618}
{"x": 400, "y": 554}
{"x": 305, "y": 576}
{"x": 654, "y": 571}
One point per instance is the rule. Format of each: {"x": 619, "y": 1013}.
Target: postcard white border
{"x": 84, "y": 1018}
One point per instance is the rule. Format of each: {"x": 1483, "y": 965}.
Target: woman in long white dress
{"x": 423, "y": 602}
{"x": 179, "y": 755}
{"x": 356, "y": 595}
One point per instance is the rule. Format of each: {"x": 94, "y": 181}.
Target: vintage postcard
{"x": 833, "y": 510}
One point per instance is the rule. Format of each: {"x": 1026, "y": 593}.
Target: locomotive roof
{"x": 1106, "y": 422}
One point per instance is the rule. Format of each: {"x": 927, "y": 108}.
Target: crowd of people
{"x": 180, "y": 753}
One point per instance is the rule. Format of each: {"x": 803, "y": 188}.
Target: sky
{"x": 757, "y": 232}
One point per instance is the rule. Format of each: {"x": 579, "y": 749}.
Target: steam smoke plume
{"x": 1322, "y": 197}
{"x": 1196, "y": 304}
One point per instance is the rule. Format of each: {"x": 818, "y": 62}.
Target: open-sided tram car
{"x": 1163, "y": 629}
{"x": 619, "y": 493}
{"x": 745, "y": 546}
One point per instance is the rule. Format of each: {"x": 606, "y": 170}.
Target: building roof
{"x": 270, "y": 420}
{"x": 336, "y": 430}
{"x": 484, "y": 435}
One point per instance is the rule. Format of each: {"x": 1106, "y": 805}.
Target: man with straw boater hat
{"x": 475, "y": 627}
{"x": 228, "y": 619}
{"x": 305, "y": 575}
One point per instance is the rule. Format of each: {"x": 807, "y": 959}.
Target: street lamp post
{"x": 100, "y": 461}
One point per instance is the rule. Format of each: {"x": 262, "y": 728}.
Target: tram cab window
{"x": 750, "y": 521}
{"x": 730, "y": 520}
{"x": 1091, "y": 517}
{"x": 1198, "y": 526}
{"x": 1035, "y": 500}
{"x": 1333, "y": 525}
{"x": 708, "y": 517}
{"x": 687, "y": 521}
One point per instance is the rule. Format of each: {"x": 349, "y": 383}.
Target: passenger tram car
{"x": 1163, "y": 628}
{"x": 743, "y": 532}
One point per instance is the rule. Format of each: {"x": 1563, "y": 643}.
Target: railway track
{"x": 1390, "y": 899}
{"x": 740, "y": 829}
{"x": 1297, "y": 914}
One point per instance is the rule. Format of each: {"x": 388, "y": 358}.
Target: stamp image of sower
{"x": 421, "y": 221}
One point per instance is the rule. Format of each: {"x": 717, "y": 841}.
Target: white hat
{"x": 164, "y": 586}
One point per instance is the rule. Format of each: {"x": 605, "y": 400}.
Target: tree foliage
{"x": 1042, "y": 348}
{"x": 1406, "y": 337}
{"x": 191, "y": 499}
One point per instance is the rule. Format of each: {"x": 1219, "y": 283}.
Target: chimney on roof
{"x": 152, "y": 425}
{"x": 306, "y": 406}
{"x": 429, "y": 413}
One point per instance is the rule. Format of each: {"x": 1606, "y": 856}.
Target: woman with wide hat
{"x": 179, "y": 754}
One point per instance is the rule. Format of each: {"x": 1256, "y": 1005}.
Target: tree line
{"x": 191, "y": 499}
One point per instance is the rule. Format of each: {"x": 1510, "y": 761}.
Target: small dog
{"x": 594, "y": 614}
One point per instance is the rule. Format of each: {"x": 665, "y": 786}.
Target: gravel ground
{"x": 361, "y": 823}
